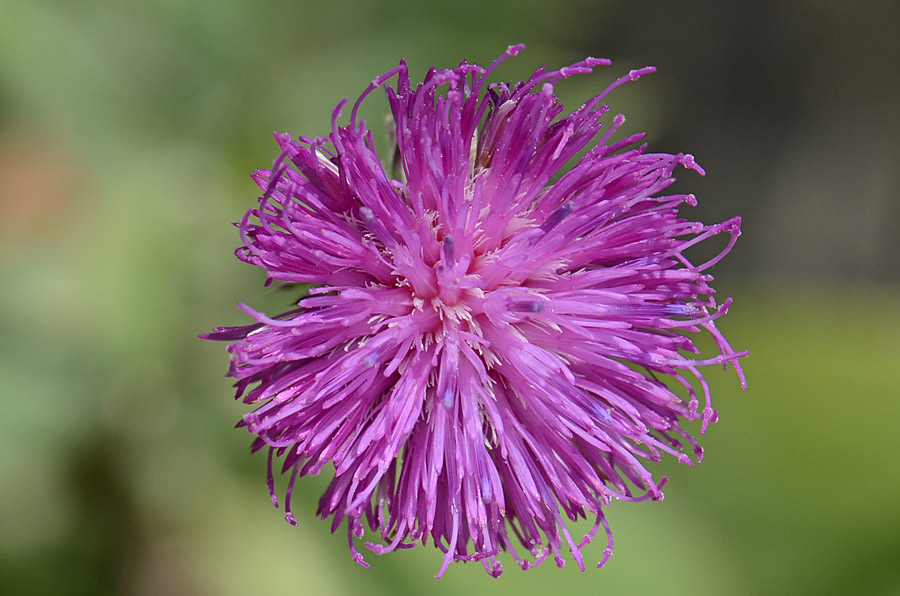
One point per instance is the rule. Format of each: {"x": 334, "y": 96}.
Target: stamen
{"x": 557, "y": 216}
{"x": 602, "y": 414}
{"x": 368, "y": 216}
{"x": 448, "y": 249}
{"x": 370, "y": 360}
{"x": 447, "y": 400}
{"x": 682, "y": 310}
{"x": 526, "y": 306}
{"x": 487, "y": 490}
{"x": 288, "y": 515}
{"x": 376, "y": 226}
{"x": 270, "y": 480}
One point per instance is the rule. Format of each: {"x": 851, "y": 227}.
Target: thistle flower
{"x": 481, "y": 354}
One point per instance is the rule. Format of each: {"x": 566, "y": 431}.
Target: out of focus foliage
{"x": 126, "y": 134}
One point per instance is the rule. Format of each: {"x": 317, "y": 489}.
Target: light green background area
{"x": 126, "y": 134}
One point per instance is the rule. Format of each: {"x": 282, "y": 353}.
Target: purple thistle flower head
{"x": 481, "y": 353}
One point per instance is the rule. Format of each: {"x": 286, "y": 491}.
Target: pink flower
{"x": 481, "y": 353}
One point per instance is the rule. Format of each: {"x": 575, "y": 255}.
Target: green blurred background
{"x": 127, "y": 130}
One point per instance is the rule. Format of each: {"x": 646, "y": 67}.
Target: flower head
{"x": 481, "y": 354}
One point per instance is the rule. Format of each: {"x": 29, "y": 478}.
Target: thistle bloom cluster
{"x": 482, "y": 353}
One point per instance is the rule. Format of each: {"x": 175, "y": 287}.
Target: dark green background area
{"x": 127, "y": 130}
